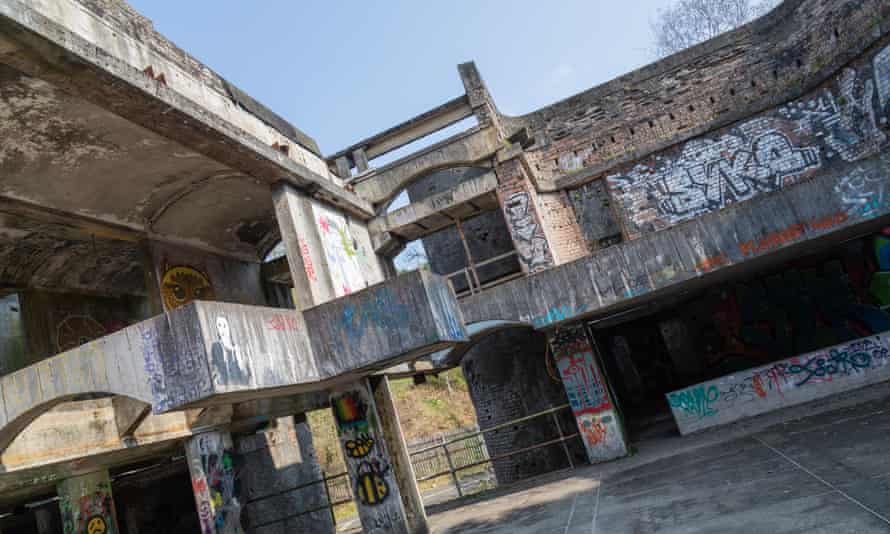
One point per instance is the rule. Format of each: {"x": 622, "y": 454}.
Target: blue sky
{"x": 341, "y": 71}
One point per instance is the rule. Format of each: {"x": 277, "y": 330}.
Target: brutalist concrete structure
{"x": 698, "y": 241}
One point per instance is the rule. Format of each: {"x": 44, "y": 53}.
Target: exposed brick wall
{"x": 561, "y": 227}
{"x": 519, "y": 201}
{"x": 723, "y": 80}
{"x": 508, "y": 379}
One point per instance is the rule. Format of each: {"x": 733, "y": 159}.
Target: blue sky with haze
{"x": 343, "y": 70}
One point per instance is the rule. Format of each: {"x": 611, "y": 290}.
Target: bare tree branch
{"x": 689, "y": 22}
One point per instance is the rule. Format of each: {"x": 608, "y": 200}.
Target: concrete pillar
{"x": 87, "y": 505}
{"x": 601, "y": 430}
{"x": 412, "y": 502}
{"x": 302, "y": 243}
{"x": 211, "y": 466}
{"x": 278, "y": 480}
{"x": 344, "y": 168}
{"x": 370, "y": 466}
{"x": 47, "y": 520}
{"x": 361, "y": 160}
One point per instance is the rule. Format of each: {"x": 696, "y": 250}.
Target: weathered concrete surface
{"x": 440, "y": 210}
{"x": 825, "y": 473}
{"x": 277, "y": 469}
{"x": 465, "y": 148}
{"x": 415, "y": 311}
{"x": 620, "y": 275}
{"x": 201, "y": 351}
{"x": 87, "y": 505}
{"x": 781, "y": 384}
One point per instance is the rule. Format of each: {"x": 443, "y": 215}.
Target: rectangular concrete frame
{"x": 796, "y": 380}
{"x": 413, "y": 314}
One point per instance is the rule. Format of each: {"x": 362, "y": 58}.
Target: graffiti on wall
{"x": 75, "y": 330}
{"x": 784, "y": 383}
{"x": 366, "y": 459}
{"x": 92, "y": 513}
{"x": 761, "y": 155}
{"x": 214, "y": 484}
{"x": 230, "y": 365}
{"x": 379, "y": 310}
{"x": 341, "y": 251}
{"x": 585, "y": 388}
{"x": 522, "y": 220}
{"x": 177, "y": 374}
{"x": 181, "y": 285}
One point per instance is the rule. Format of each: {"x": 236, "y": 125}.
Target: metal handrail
{"x": 477, "y": 286}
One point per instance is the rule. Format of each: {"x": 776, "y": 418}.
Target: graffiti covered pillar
{"x": 412, "y": 502}
{"x": 302, "y": 244}
{"x": 87, "y": 505}
{"x": 517, "y": 197}
{"x": 211, "y": 466}
{"x": 585, "y": 385}
{"x": 278, "y": 471}
{"x": 370, "y": 466}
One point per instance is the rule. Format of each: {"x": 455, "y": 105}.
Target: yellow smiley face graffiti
{"x": 96, "y": 525}
{"x": 182, "y": 285}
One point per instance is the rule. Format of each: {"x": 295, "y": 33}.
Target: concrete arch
{"x": 103, "y": 367}
{"x": 477, "y": 332}
{"x": 465, "y": 149}
{"x": 472, "y": 170}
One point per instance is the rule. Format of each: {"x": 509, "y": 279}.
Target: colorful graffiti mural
{"x": 341, "y": 250}
{"x": 86, "y": 505}
{"x": 772, "y": 151}
{"x": 181, "y": 285}
{"x": 587, "y": 394}
{"x": 212, "y": 469}
{"x": 777, "y": 385}
{"x": 367, "y": 460}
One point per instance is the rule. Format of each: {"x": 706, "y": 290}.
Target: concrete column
{"x": 302, "y": 243}
{"x": 592, "y": 404}
{"x": 517, "y": 197}
{"x": 211, "y": 466}
{"x": 47, "y": 520}
{"x": 412, "y": 502}
{"x": 279, "y": 476}
{"x": 87, "y": 505}
{"x": 368, "y": 461}
{"x": 361, "y": 160}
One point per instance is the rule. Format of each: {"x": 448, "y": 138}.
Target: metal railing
{"x": 471, "y": 275}
{"x": 474, "y": 453}
{"x": 449, "y": 457}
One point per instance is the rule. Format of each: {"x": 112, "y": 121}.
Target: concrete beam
{"x": 108, "y": 67}
{"x": 129, "y": 414}
{"x": 404, "y": 221}
{"x": 704, "y": 250}
{"x": 211, "y": 353}
{"x": 466, "y": 148}
{"x": 404, "y": 133}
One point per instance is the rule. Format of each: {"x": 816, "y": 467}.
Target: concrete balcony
{"x": 841, "y": 201}
{"x": 211, "y": 353}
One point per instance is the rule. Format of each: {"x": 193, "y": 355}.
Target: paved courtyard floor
{"x": 825, "y": 471}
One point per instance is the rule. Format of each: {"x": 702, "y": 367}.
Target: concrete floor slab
{"x": 823, "y": 470}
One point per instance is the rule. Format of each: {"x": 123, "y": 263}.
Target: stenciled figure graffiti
{"x": 229, "y": 364}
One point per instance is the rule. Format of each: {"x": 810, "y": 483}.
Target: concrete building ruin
{"x": 701, "y": 240}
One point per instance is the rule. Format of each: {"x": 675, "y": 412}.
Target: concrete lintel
{"x": 398, "y": 220}
{"x": 466, "y": 148}
{"x": 415, "y": 128}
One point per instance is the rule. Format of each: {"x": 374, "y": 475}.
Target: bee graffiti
{"x": 360, "y": 446}
{"x": 372, "y": 486}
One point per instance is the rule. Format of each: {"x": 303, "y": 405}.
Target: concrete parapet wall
{"x": 414, "y": 311}
{"x": 785, "y": 383}
{"x": 840, "y": 197}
